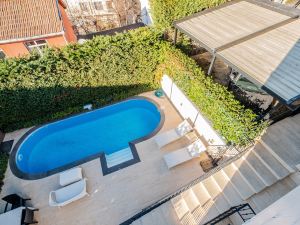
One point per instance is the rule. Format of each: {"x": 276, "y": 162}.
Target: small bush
{"x": 165, "y": 12}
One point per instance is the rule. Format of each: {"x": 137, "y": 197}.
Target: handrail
{"x": 186, "y": 187}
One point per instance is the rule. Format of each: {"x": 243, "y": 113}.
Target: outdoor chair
{"x": 184, "y": 154}
{"x": 15, "y": 201}
{"x": 172, "y": 135}
{"x": 28, "y": 216}
{"x": 73, "y": 188}
{"x": 68, "y": 194}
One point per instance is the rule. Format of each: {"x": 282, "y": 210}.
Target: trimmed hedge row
{"x": 232, "y": 120}
{"x": 165, "y": 12}
{"x": 37, "y": 89}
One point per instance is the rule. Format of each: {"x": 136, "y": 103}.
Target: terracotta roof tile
{"x": 27, "y": 18}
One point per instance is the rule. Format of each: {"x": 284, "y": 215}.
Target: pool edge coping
{"x": 105, "y": 170}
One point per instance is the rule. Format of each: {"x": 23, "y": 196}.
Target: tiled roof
{"x": 27, "y": 18}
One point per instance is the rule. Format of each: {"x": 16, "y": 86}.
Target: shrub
{"x": 36, "y": 89}
{"x": 165, "y": 12}
{"x": 232, "y": 120}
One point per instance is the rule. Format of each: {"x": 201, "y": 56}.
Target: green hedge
{"x": 165, "y": 12}
{"x": 3, "y": 165}
{"x": 37, "y": 89}
{"x": 232, "y": 120}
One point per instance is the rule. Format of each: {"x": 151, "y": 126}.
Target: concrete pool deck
{"x": 117, "y": 196}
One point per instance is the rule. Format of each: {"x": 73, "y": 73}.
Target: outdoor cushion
{"x": 70, "y": 176}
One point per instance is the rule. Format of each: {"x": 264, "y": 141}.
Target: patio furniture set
{"x": 182, "y": 155}
{"x": 16, "y": 211}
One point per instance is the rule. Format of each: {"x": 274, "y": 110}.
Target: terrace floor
{"x": 117, "y": 196}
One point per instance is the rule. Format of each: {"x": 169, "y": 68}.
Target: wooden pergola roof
{"x": 261, "y": 40}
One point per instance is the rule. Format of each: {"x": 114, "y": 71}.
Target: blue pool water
{"x": 107, "y": 130}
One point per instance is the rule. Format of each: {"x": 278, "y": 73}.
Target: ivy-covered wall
{"x": 165, "y": 12}
{"x": 228, "y": 116}
{"x": 37, "y": 89}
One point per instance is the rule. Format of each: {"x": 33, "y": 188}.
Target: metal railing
{"x": 220, "y": 165}
{"x": 245, "y": 211}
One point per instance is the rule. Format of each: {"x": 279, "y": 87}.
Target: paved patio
{"x": 115, "y": 197}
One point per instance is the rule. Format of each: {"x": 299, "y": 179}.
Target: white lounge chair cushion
{"x": 70, "y": 176}
{"x": 184, "y": 154}
{"x": 166, "y": 138}
{"x": 183, "y": 128}
{"x": 196, "y": 148}
{"x": 68, "y": 193}
{"x": 177, "y": 157}
{"x": 172, "y": 135}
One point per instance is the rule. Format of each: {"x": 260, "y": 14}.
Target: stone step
{"x": 277, "y": 157}
{"x": 190, "y": 199}
{"x": 271, "y": 194}
{"x": 272, "y": 162}
{"x": 266, "y": 173}
{"x": 292, "y": 154}
{"x": 230, "y": 194}
{"x": 169, "y": 213}
{"x": 211, "y": 213}
{"x": 201, "y": 212}
{"x": 250, "y": 174}
{"x": 211, "y": 186}
{"x": 188, "y": 219}
{"x": 180, "y": 206}
{"x": 239, "y": 182}
{"x": 118, "y": 157}
{"x": 201, "y": 193}
{"x": 236, "y": 219}
{"x": 221, "y": 203}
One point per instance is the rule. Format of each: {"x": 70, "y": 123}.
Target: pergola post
{"x": 211, "y": 64}
{"x": 175, "y": 36}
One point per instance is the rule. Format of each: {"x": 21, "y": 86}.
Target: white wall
{"x": 188, "y": 110}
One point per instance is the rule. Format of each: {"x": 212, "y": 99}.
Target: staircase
{"x": 258, "y": 177}
{"x": 118, "y": 157}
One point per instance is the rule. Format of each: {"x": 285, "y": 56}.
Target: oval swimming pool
{"x": 55, "y": 146}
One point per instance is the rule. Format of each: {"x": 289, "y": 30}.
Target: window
{"x": 2, "y": 54}
{"x": 84, "y": 6}
{"x": 38, "y": 46}
{"x": 98, "y": 5}
{"x": 109, "y": 5}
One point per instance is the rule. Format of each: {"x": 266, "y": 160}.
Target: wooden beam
{"x": 175, "y": 36}
{"x": 211, "y": 64}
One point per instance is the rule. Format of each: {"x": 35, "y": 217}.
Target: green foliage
{"x": 37, "y": 89}
{"x": 231, "y": 119}
{"x": 3, "y": 165}
{"x": 165, "y": 12}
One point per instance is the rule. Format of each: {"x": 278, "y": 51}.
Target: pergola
{"x": 258, "y": 39}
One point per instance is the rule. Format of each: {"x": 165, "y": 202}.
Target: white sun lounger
{"x": 172, "y": 135}
{"x": 68, "y": 194}
{"x": 184, "y": 154}
{"x": 70, "y": 176}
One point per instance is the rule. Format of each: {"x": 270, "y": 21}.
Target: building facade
{"x": 90, "y": 16}
{"x": 29, "y": 25}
